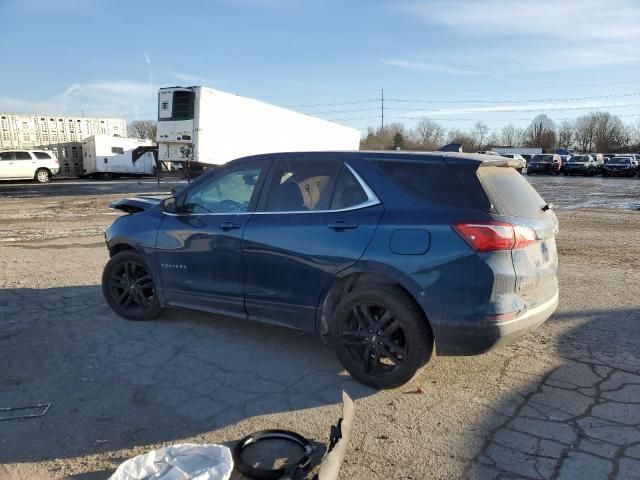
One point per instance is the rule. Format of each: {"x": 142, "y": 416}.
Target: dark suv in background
{"x": 384, "y": 254}
{"x": 546, "y": 163}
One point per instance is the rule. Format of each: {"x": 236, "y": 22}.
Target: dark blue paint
{"x": 279, "y": 268}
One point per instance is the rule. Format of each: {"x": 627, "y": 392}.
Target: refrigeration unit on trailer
{"x": 207, "y": 126}
{"x": 106, "y": 157}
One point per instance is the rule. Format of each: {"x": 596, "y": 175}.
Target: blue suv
{"x": 385, "y": 254}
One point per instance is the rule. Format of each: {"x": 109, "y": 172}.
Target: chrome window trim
{"x": 372, "y": 200}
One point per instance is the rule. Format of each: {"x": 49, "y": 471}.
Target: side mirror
{"x": 169, "y": 205}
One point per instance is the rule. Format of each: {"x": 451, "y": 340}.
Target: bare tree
{"x": 541, "y": 132}
{"x": 635, "y": 134}
{"x": 458, "y": 136}
{"x": 609, "y": 132}
{"x": 493, "y": 140}
{"x": 479, "y": 133}
{"x": 508, "y": 135}
{"x": 428, "y": 135}
{"x": 143, "y": 129}
{"x": 565, "y": 134}
{"x": 584, "y": 133}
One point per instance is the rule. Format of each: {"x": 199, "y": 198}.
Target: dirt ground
{"x": 563, "y": 403}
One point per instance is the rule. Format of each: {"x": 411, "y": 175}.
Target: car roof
{"x": 392, "y": 155}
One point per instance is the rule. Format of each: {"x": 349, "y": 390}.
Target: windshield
{"x": 620, "y": 161}
{"x": 542, "y": 158}
{"x": 579, "y": 158}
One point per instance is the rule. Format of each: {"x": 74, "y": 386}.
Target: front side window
{"x": 225, "y": 193}
{"x": 6, "y": 156}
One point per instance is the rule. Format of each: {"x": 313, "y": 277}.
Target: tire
{"x": 42, "y": 175}
{"x": 107, "y": 176}
{"x": 128, "y": 287}
{"x": 384, "y": 358}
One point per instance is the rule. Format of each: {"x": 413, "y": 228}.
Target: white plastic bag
{"x": 184, "y": 461}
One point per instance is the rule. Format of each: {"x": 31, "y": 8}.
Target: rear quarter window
{"x": 431, "y": 182}
{"x": 42, "y": 156}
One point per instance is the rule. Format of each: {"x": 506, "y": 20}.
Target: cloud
{"x": 147, "y": 58}
{"x": 129, "y": 100}
{"x": 189, "y": 78}
{"x": 430, "y": 67}
{"x": 537, "y": 36}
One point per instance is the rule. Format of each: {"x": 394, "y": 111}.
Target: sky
{"x": 455, "y": 61}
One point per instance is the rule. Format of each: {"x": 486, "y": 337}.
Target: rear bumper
{"x": 480, "y": 337}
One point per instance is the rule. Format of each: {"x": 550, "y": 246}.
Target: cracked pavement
{"x": 563, "y": 403}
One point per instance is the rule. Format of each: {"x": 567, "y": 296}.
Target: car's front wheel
{"x": 128, "y": 287}
{"x": 42, "y": 175}
{"x": 381, "y": 336}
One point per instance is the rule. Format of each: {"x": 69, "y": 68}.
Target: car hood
{"x": 136, "y": 204}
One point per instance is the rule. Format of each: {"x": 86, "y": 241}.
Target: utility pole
{"x": 382, "y": 116}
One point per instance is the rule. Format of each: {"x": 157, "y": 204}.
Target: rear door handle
{"x": 342, "y": 225}
{"x": 228, "y": 226}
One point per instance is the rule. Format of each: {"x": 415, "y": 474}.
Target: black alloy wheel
{"x": 128, "y": 287}
{"x": 381, "y": 336}
{"x": 375, "y": 339}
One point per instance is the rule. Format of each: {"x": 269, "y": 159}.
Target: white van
{"x": 38, "y": 165}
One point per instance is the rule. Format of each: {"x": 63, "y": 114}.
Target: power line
{"x": 566, "y": 99}
{"x": 513, "y": 89}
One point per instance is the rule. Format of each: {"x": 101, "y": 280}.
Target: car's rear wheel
{"x": 381, "y": 336}
{"x": 42, "y": 175}
{"x": 129, "y": 288}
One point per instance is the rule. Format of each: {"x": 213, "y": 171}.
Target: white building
{"x": 47, "y": 131}
{"x": 62, "y": 135}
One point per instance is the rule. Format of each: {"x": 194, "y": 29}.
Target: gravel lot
{"x": 563, "y": 403}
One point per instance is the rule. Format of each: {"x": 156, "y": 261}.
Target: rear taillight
{"x": 495, "y": 236}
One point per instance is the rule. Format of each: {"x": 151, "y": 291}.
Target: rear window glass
{"x": 428, "y": 181}
{"x": 509, "y": 192}
{"x": 42, "y": 156}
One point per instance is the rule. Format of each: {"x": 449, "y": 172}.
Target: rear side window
{"x": 348, "y": 192}
{"x": 42, "y": 156}
{"x": 428, "y": 181}
{"x": 301, "y": 185}
{"x": 22, "y": 156}
{"x": 510, "y": 193}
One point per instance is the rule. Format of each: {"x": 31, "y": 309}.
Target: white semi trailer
{"x": 106, "y": 157}
{"x": 210, "y": 127}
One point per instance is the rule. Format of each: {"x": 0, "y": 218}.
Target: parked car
{"x": 527, "y": 157}
{"x": 38, "y": 165}
{"x": 548, "y": 163}
{"x": 581, "y": 165}
{"x": 384, "y": 254}
{"x": 518, "y": 157}
{"x": 620, "y": 166}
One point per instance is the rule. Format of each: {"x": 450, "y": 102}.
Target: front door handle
{"x": 228, "y": 226}
{"x": 342, "y": 225}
